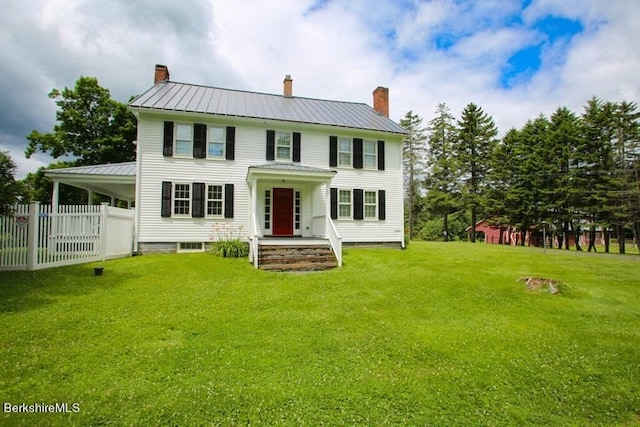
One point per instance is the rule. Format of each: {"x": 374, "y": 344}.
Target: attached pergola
{"x": 116, "y": 180}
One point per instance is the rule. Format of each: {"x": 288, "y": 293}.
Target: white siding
{"x": 250, "y": 149}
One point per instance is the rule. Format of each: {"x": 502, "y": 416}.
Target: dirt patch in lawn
{"x": 542, "y": 284}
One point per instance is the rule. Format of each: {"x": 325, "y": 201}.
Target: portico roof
{"x": 114, "y": 179}
{"x": 293, "y": 171}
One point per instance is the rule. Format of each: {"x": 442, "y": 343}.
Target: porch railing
{"x": 335, "y": 239}
{"x": 253, "y": 242}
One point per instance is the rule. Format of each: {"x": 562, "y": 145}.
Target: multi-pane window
{"x": 283, "y": 146}
{"x": 182, "y": 199}
{"x": 216, "y": 142}
{"x": 267, "y": 209}
{"x": 344, "y": 152}
{"x": 370, "y": 154}
{"x": 370, "y": 205}
{"x": 344, "y": 203}
{"x": 184, "y": 140}
{"x": 214, "y": 200}
{"x": 297, "y": 210}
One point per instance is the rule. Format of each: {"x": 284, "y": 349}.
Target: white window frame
{"x": 176, "y": 140}
{"x": 221, "y": 142}
{"x": 350, "y": 152}
{"x": 207, "y": 200}
{"x": 373, "y": 155}
{"x": 174, "y": 199}
{"x": 185, "y": 247}
{"x": 341, "y": 204}
{"x": 374, "y": 204}
{"x": 277, "y": 145}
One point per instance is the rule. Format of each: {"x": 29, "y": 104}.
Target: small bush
{"x": 230, "y": 249}
{"x": 226, "y": 241}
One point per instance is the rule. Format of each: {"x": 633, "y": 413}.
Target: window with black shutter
{"x": 333, "y": 151}
{"x": 296, "y": 147}
{"x": 199, "y": 141}
{"x": 271, "y": 144}
{"x": 357, "y": 153}
{"x": 380, "y": 155}
{"x": 382, "y": 214}
{"x": 197, "y": 210}
{"x": 167, "y": 144}
{"x": 228, "y": 200}
{"x": 230, "y": 143}
{"x": 166, "y": 199}
{"x": 358, "y": 203}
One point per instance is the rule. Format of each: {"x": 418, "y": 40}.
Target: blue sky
{"x": 516, "y": 59}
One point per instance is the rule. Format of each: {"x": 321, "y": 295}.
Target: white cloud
{"x": 336, "y": 49}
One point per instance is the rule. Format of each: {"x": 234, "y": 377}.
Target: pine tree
{"x": 414, "y": 152}
{"x": 442, "y": 191}
{"x": 476, "y": 140}
{"x": 564, "y": 137}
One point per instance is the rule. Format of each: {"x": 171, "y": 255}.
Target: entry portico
{"x": 290, "y": 200}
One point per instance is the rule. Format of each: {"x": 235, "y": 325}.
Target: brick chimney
{"x": 162, "y": 74}
{"x": 288, "y": 86}
{"x": 381, "y": 100}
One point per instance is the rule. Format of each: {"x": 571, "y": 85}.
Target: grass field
{"x": 439, "y": 334}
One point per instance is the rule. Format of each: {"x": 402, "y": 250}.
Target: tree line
{"x": 570, "y": 173}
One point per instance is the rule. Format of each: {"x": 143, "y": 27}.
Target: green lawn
{"x": 439, "y": 334}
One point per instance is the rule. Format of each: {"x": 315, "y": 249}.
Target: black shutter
{"x": 198, "y": 200}
{"x": 271, "y": 144}
{"x": 380, "y": 155}
{"x": 357, "y": 153}
{"x": 334, "y": 203}
{"x": 296, "y": 147}
{"x": 358, "y": 203}
{"x": 166, "y": 199}
{"x": 382, "y": 212}
{"x": 333, "y": 151}
{"x": 199, "y": 141}
{"x": 230, "y": 149}
{"x": 167, "y": 145}
{"x": 228, "y": 200}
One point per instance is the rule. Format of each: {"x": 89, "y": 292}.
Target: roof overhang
{"x": 289, "y": 171}
{"x": 117, "y": 180}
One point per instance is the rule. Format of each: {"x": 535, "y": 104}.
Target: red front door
{"x": 282, "y": 211}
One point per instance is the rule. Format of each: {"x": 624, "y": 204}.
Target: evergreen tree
{"x": 414, "y": 151}
{"x": 476, "y": 140}
{"x": 442, "y": 191}
{"x": 564, "y": 137}
{"x": 592, "y": 166}
{"x": 501, "y": 180}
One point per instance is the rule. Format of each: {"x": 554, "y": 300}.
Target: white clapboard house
{"x": 279, "y": 171}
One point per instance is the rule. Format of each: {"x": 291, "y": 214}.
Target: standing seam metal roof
{"x": 174, "y": 96}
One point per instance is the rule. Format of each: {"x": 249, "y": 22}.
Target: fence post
{"x": 104, "y": 206}
{"x": 32, "y": 235}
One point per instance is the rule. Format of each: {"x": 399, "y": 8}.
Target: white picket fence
{"x": 36, "y": 236}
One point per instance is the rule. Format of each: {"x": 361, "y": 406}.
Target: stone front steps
{"x": 296, "y": 257}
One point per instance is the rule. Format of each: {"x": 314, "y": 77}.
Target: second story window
{"x": 370, "y": 159}
{"x": 344, "y": 152}
{"x": 216, "y": 142}
{"x": 184, "y": 140}
{"x": 283, "y": 146}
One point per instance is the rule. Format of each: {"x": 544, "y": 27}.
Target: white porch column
{"x": 89, "y": 197}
